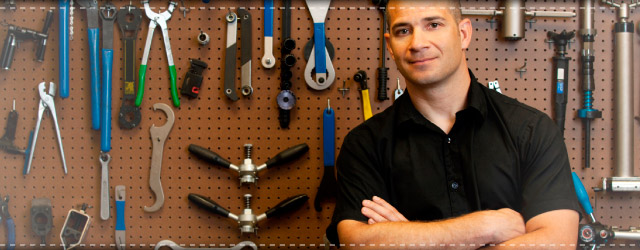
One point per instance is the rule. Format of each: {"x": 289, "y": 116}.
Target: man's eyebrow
{"x": 426, "y": 19}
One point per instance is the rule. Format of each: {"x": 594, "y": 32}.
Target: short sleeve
{"x": 358, "y": 179}
{"x": 547, "y": 184}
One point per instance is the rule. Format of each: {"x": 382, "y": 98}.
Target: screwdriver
{"x": 361, "y": 77}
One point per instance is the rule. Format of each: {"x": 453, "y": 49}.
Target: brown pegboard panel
{"x": 213, "y": 121}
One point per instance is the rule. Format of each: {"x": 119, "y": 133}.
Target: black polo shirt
{"x": 500, "y": 153}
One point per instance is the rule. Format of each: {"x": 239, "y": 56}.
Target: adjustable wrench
{"x": 158, "y": 137}
{"x": 174, "y": 246}
{"x": 129, "y": 116}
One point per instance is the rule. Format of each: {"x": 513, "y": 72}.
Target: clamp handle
{"x": 208, "y": 204}
{"x": 288, "y": 155}
{"x": 208, "y": 156}
{"x": 289, "y": 205}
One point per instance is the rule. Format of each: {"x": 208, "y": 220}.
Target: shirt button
{"x": 454, "y": 185}
{"x": 449, "y": 140}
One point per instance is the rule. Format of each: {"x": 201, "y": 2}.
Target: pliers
{"x": 156, "y": 19}
{"x": 11, "y": 226}
{"x": 46, "y": 102}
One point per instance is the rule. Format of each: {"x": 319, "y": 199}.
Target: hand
{"x": 378, "y": 210}
{"x": 505, "y": 224}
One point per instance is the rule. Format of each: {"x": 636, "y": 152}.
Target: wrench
{"x": 105, "y": 158}
{"x": 174, "y": 246}
{"x": 158, "y": 137}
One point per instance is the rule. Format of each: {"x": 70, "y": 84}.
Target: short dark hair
{"x": 455, "y": 9}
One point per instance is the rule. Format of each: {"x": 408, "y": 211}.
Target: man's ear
{"x": 387, "y": 37}
{"x": 466, "y": 30}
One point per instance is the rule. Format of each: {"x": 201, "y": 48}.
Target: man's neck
{"x": 439, "y": 102}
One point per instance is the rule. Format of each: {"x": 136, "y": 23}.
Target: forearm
{"x": 553, "y": 230}
{"x": 541, "y": 239}
{"x": 466, "y": 232}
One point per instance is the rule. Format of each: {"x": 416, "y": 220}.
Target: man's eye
{"x": 402, "y": 31}
{"x": 434, "y": 25}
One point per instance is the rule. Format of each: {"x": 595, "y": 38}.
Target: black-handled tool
{"x": 17, "y": 34}
{"x": 328, "y": 185}
{"x": 383, "y": 70}
{"x": 561, "y": 73}
{"x": 247, "y": 220}
{"x": 6, "y": 142}
{"x": 129, "y": 19}
{"x": 247, "y": 170}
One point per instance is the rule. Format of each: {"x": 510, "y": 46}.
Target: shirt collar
{"x": 477, "y": 105}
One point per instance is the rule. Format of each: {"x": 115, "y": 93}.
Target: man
{"x": 451, "y": 164}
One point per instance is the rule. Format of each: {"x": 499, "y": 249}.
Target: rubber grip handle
{"x": 11, "y": 234}
{"x": 120, "y": 215}
{"x": 105, "y": 119}
{"x": 12, "y": 124}
{"x": 268, "y": 18}
{"x": 581, "y": 192}
{"x": 8, "y": 49}
{"x": 174, "y": 90}
{"x": 142, "y": 73}
{"x": 320, "y": 52}
{"x": 208, "y": 155}
{"x": 288, "y": 155}
{"x": 208, "y": 204}
{"x": 366, "y": 104}
{"x": 328, "y": 136}
{"x": 288, "y": 205}
{"x": 382, "y": 84}
{"x": 63, "y": 49}
{"x": 95, "y": 77}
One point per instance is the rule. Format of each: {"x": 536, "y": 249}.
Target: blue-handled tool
{"x": 63, "y": 49}
{"x": 93, "y": 37}
{"x": 120, "y": 226}
{"x": 107, "y": 16}
{"x": 327, "y": 189}
{"x": 268, "y": 60}
{"x": 583, "y": 197}
{"x": 319, "y": 60}
{"x": 11, "y": 226}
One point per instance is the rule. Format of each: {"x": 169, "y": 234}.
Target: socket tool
{"x": 193, "y": 79}
{"x": 129, "y": 116}
{"x": 174, "y": 246}
{"x": 8, "y": 221}
{"x": 286, "y": 99}
{"x": 247, "y": 221}
{"x": 91, "y": 6}
{"x": 328, "y": 185}
{"x": 41, "y": 218}
{"x": 248, "y": 171}
{"x": 6, "y": 142}
{"x": 158, "y": 136}
{"x": 75, "y": 227}
{"x": 46, "y": 103}
{"x": 155, "y": 20}
{"x": 107, "y": 16}
{"x": 16, "y": 34}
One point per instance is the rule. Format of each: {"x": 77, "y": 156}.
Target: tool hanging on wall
{"x": 15, "y": 35}
{"x": 382, "y": 70}
{"x": 247, "y": 170}
{"x": 513, "y": 17}
{"x": 91, "y": 6}
{"x": 6, "y": 142}
{"x": 158, "y": 136}
{"x": 286, "y": 99}
{"x": 172, "y": 245}
{"x": 247, "y": 221}
{"x": 104, "y": 159}
{"x": 587, "y": 113}
{"x": 399, "y": 91}
{"x": 155, "y": 20}
{"x": 268, "y": 60}
{"x": 10, "y": 4}
{"x": 319, "y": 59}
{"x": 561, "y": 74}
{"x": 203, "y": 38}
{"x": 193, "y": 79}
{"x": 230, "y": 56}
{"x": 63, "y": 46}
{"x": 107, "y": 17}
{"x": 623, "y": 137}
{"x": 46, "y": 103}
{"x": 120, "y": 235}
{"x": 41, "y": 218}
{"x": 245, "y": 52}
{"x": 594, "y": 234}
{"x": 128, "y": 19}
{"x": 8, "y": 221}
{"x": 328, "y": 185}
{"x": 361, "y": 78}
{"x": 75, "y": 228}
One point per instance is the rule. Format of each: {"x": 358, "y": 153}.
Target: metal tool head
{"x": 4, "y": 207}
{"x": 172, "y": 245}
{"x": 88, "y": 3}
{"x": 108, "y": 11}
{"x": 163, "y": 131}
{"x": 46, "y": 97}
{"x": 162, "y": 16}
{"x": 129, "y": 18}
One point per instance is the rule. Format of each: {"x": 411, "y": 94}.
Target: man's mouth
{"x": 421, "y": 61}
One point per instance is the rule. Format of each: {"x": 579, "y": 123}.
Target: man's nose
{"x": 419, "y": 40}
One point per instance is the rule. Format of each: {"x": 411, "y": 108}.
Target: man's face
{"x": 425, "y": 40}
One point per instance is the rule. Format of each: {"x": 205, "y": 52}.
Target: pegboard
{"x": 214, "y": 122}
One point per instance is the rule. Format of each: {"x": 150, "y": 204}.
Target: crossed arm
{"x": 386, "y": 227}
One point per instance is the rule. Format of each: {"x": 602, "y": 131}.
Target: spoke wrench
{"x": 328, "y": 184}
{"x": 158, "y": 137}
{"x": 174, "y": 246}
{"x": 129, "y": 19}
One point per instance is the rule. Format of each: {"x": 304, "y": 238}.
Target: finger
{"x": 382, "y": 211}
{"x": 389, "y": 207}
{"x": 371, "y": 222}
{"x": 372, "y": 215}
